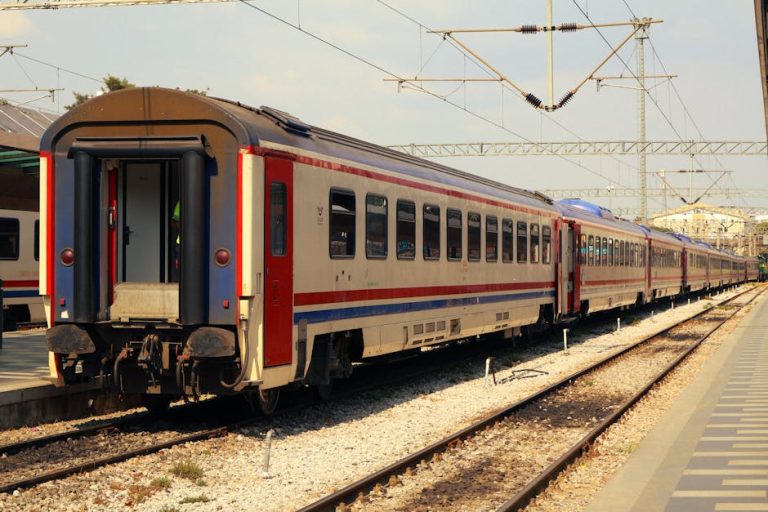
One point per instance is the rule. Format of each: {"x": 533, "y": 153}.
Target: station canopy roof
{"x": 20, "y": 132}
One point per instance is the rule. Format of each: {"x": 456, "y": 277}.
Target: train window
{"x": 406, "y": 230}
{"x": 522, "y": 242}
{"x": 534, "y": 243}
{"x": 453, "y": 234}
{"x": 431, "y": 232}
{"x": 473, "y": 236}
{"x": 616, "y": 253}
{"x": 598, "y": 244}
{"x": 610, "y": 251}
{"x": 507, "y": 240}
{"x": 342, "y": 223}
{"x": 583, "y": 250}
{"x": 622, "y": 248}
{"x": 376, "y": 220}
{"x": 277, "y": 234}
{"x": 546, "y": 245}
{"x": 591, "y": 250}
{"x": 605, "y": 251}
{"x": 9, "y": 239}
{"x": 491, "y": 238}
{"x": 37, "y": 240}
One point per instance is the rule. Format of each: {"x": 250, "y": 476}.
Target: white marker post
{"x": 267, "y": 451}
{"x": 490, "y": 372}
{"x": 618, "y": 324}
{"x": 565, "y": 340}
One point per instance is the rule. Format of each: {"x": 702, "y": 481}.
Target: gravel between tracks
{"x": 325, "y": 447}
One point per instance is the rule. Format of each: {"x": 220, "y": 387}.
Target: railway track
{"x": 481, "y": 466}
{"x": 34, "y": 461}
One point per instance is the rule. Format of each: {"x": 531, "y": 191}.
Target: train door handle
{"x": 127, "y": 232}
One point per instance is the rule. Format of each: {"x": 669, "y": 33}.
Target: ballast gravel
{"x": 325, "y": 447}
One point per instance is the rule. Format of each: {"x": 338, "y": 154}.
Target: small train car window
{"x": 616, "y": 253}
{"x": 546, "y": 237}
{"x": 9, "y": 239}
{"x": 406, "y": 230}
{"x": 598, "y": 245}
{"x": 277, "y": 234}
{"x": 453, "y": 234}
{"x": 342, "y": 224}
{"x": 604, "y": 255}
{"x": 622, "y": 253}
{"x": 591, "y": 251}
{"x": 37, "y": 240}
{"x": 491, "y": 238}
{"x": 376, "y": 226}
{"x": 473, "y": 236}
{"x": 610, "y": 251}
{"x": 522, "y": 242}
{"x": 535, "y": 243}
{"x": 507, "y": 241}
{"x": 583, "y": 250}
{"x": 431, "y": 232}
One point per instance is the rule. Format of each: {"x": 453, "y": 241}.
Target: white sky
{"x": 239, "y": 53}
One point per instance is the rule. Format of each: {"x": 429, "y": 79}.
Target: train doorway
{"x": 148, "y": 228}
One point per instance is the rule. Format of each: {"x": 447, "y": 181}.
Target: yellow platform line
{"x": 748, "y": 462}
{"x": 734, "y": 438}
{"x": 746, "y": 481}
{"x": 720, "y": 494}
{"x": 740, "y": 507}
{"x": 726, "y": 472}
{"x": 732, "y": 454}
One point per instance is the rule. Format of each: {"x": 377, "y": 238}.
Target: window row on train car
{"x": 10, "y": 239}
{"x": 521, "y": 241}
{"x": 697, "y": 260}
{"x": 603, "y": 251}
{"x": 662, "y": 257}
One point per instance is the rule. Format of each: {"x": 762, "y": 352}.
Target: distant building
{"x": 721, "y": 227}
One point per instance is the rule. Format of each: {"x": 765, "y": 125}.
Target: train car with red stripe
{"x": 694, "y": 264}
{"x": 19, "y": 235}
{"x": 665, "y": 265}
{"x": 610, "y": 257}
{"x": 752, "y": 269}
{"x": 195, "y": 245}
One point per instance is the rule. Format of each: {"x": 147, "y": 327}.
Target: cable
{"x": 488, "y": 73}
{"x": 99, "y": 80}
{"x": 421, "y": 89}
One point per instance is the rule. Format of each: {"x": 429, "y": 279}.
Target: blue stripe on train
{"x": 328, "y": 315}
{"x": 20, "y": 293}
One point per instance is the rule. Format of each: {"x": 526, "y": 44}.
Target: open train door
{"x": 278, "y": 261}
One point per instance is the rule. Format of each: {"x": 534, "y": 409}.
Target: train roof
{"x": 257, "y": 126}
{"x": 584, "y": 210}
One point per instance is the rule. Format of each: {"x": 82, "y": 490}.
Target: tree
{"x": 111, "y": 83}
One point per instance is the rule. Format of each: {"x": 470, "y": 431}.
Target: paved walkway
{"x": 23, "y": 360}
{"x": 710, "y": 451}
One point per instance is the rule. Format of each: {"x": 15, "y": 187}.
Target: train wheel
{"x": 267, "y": 399}
{"x": 156, "y": 404}
{"x": 324, "y": 391}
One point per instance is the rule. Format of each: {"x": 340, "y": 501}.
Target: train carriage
{"x": 197, "y": 245}
{"x": 752, "y": 269}
{"x": 610, "y": 257}
{"x": 665, "y": 269}
{"x": 694, "y": 265}
{"x": 19, "y": 266}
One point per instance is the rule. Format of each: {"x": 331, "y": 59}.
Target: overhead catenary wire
{"x": 386, "y": 72}
{"x": 471, "y": 58}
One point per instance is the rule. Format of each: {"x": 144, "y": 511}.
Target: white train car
{"x": 298, "y": 251}
{"x": 19, "y": 256}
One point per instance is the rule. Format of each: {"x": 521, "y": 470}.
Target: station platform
{"x": 23, "y": 360}
{"x": 710, "y": 450}
{"x": 27, "y": 396}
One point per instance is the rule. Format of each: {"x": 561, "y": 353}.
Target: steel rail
{"x": 364, "y": 485}
{"x": 522, "y": 498}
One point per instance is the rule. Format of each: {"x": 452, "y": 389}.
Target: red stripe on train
{"x": 20, "y": 284}
{"x": 312, "y": 298}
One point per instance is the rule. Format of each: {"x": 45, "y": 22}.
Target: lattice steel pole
{"x": 640, "y": 38}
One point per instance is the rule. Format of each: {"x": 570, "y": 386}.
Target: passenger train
{"x": 196, "y": 245}
{"x": 19, "y": 236}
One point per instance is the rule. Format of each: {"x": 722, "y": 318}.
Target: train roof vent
{"x": 287, "y": 122}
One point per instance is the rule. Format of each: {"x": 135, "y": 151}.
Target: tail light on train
{"x": 67, "y": 257}
{"x": 222, "y": 257}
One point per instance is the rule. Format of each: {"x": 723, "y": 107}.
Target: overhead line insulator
{"x": 565, "y": 99}
{"x": 533, "y": 100}
{"x": 529, "y": 29}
